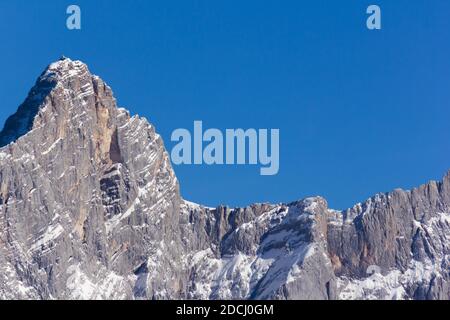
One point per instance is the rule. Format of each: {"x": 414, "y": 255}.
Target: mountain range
{"x": 90, "y": 208}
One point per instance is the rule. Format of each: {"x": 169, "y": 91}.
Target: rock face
{"x": 90, "y": 208}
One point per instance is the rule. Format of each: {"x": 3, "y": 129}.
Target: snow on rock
{"x": 90, "y": 208}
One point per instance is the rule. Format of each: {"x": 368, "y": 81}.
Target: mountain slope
{"x": 90, "y": 208}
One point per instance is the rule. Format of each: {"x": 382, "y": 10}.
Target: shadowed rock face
{"x": 90, "y": 208}
{"x": 22, "y": 121}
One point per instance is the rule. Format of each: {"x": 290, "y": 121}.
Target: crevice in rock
{"x": 114, "y": 149}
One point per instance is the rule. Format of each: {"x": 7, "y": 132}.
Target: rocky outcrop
{"x": 406, "y": 234}
{"x": 90, "y": 208}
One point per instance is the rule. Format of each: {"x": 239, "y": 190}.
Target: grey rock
{"x": 90, "y": 208}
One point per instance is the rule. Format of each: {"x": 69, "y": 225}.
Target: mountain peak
{"x": 68, "y": 78}
{"x": 63, "y": 69}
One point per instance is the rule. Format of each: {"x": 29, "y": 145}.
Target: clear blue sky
{"x": 359, "y": 111}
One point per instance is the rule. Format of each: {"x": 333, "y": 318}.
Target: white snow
{"x": 54, "y": 144}
{"x": 112, "y": 223}
{"x": 51, "y": 234}
{"x": 387, "y": 287}
{"x": 236, "y": 276}
{"x": 4, "y": 156}
{"x": 194, "y": 205}
{"x": 80, "y": 286}
{"x": 13, "y": 287}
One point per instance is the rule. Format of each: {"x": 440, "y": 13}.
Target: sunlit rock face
{"x": 90, "y": 208}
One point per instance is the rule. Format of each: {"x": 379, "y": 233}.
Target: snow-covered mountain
{"x": 90, "y": 208}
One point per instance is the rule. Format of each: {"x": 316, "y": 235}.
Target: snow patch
{"x": 51, "y": 234}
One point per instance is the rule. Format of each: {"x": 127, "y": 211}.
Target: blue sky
{"x": 359, "y": 111}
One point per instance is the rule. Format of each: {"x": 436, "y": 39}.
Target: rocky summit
{"x": 90, "y": 208}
